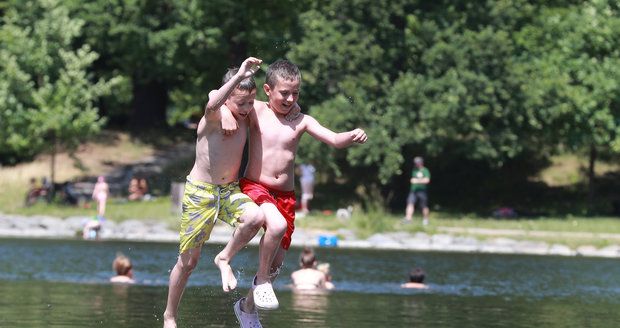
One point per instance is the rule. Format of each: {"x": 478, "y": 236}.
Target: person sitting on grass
{"x": 135, "y": 192}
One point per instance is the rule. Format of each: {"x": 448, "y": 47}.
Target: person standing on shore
{"x": 101, "y": 191}
{"x": 306, "y": 179}
{"x": 420, "y": 178}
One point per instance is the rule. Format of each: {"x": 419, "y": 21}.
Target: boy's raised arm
{"x": 337, "y": 140}
{"x": 217, "y": 97}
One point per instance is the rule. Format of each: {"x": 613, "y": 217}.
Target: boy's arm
{"x": 293, "y": 114}
{"x": 228, "y": 121}
{"x": 424, "y": 180}
{"x": 219, "y": 96}
{"x": 337, "y": 140}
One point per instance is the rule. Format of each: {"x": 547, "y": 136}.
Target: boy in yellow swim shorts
{"x": 212, "y": 189}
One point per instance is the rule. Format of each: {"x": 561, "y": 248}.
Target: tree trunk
{"x": 51, "y": 187}
{"x": 591, "y": 177}
{"x": 149, "y": 105}
{"x": 53, "y": 162}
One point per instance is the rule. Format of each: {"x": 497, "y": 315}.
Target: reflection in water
{"x": 96, "y": 304}
{"x": 310, "y": 300}
{"x": 310, "y": 306}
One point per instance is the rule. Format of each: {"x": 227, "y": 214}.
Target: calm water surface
{"x": 52, "y": 283}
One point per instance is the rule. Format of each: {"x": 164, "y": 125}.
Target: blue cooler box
{"x": 328, "y": 241}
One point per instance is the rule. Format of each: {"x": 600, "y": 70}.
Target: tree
{"x": 575, "y": 70}
{"x": 47, "y": 96}
{"x": 436, "y": 78}
{"x": 174, "y": 51}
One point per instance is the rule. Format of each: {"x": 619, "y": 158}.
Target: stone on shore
{"x": 42, "y": 226}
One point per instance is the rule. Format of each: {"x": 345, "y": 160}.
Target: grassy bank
{"x": 101, "y": 156}
{"x": 571, "y": 231}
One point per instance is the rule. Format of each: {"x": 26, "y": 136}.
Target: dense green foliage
{"x": 47, "y": 94}
{"x": 480, "y": 88}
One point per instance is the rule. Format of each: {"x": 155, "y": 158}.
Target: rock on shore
{"x": 41, "y": 226}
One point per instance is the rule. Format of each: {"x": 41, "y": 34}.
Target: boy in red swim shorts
{"x": 269, "y": 176}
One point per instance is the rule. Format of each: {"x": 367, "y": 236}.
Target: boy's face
{"x": 283, "y": 95}
{"x": 241, "y": 103}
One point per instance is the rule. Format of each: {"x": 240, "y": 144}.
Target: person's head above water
{"x": 417, "y": 275}
{"x": 122, "y": 265}
{"x": 307, "y": 259}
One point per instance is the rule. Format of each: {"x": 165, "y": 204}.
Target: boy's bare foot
{"x": 169, "y": 321}
{"x": 229, "y": 282}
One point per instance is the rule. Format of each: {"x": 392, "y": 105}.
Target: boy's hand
{"x": 359, "y": 136}
{"x": 249, "y": 67}
{"x": 229, "y": 123}
{"x": 293, "y": 114}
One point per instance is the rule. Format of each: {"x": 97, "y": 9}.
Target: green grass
{"x": 565, "y": 170}
{"x": 569, "y": 224}
{"x": 117, "y": 209}
{"x": 366, "y": 224}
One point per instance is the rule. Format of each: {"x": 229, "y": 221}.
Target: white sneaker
{"x": 425, "y": 222}
{"x": 246, "y": 320}
{"x": 264, "y": 296}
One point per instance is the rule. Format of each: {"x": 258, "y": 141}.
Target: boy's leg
{"x": 179, "y": 275}
{"x": 101, "y": 209}
{"x": 274, "y": 269}
{"x": 251, "y": 221}
{"x": 270, "y": 242}
{"x": 270, "y": 246}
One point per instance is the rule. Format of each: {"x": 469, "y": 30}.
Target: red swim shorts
{"x": 283, "y": 200}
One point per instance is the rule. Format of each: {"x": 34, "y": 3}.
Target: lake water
{"x": 54, "y": 283}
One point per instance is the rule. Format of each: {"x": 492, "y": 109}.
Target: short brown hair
{"x": 121, "y": 264}
{"x": 307, "y": 258}
{"x": 247, "y": 84}
{"x": 282, "y": 69}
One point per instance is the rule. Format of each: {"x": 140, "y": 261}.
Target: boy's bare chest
{"x": 214, "y": 135}
{"x": 274, "y": 132}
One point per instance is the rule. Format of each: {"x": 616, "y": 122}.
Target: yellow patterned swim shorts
{"x": 203, "y": 204}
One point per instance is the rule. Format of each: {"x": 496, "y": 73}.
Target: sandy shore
{"x": 40, "y": 226}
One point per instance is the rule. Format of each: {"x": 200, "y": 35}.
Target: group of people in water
{"x": 311, "y": 277}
